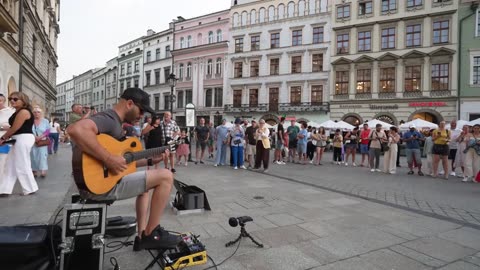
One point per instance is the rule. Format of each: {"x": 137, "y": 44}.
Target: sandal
{"x": 420, "y": 173}
{"x": 410, "y": 172}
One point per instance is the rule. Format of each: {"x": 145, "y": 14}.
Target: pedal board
{"x": 189, "y": 252}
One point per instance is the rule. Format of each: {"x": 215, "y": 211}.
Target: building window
{"x": 157, "y": 76}
{"x": 166, "y": 73}
{"x": 342, "y": 43}
{"x": 253, "y": 98}
{"x": 440, "y": 76}
{"x": 317, "y": 62}
{"x": 296, "y": 64}
{"x": 188, "y": 96}
{"x": 255, "y": 43}
{"x": 167, "y": 52}
{"x": 218, "y": 97}
{"x": 180, "y": 99}
{"x": 440, "y": 32}
{"x": 237, "y": 98}
{"x": 365, "y": 8}
{"x": 129, "y": 68}
{"x": 296, "y": 37}
{"x": 136, "y": 83}
{"x": 208, "y": 97}
{"x": 122, "y": 70}
{"x": 189, "y": 70}
{"x": 149, "y": 56}
{"x": 180, "y": 71}
{"x": 218, "y": 66}
{"x": 388, "y": 38}
{"x": 341, "y": 83}
{"x": 147, "y": 78}
{"x": 254, "y": 68}
{"x": 129, "y": 84}
{"x": 189, "y": 41}
{"x": 275, "y": 40}
{"x": 274, "y": 66}
{"x": 475, "y": 70}
{"x": 364, "y": 81}
{"x": 317, "y": 35}
{"x": 389, "y": 5}
{"x": 219, "y": 36}
{"x": 364, "y": 41}
{"x": 238, "y": 70}
{"x": 295, "y": 95}
{"x": 182, "y": 42}
{"x": 239, "y": 45}
{"x": 122, "y": 86}
{"x": 477, "y": 23}
{"x": 166, "y": 102}
{"x": 413, "y": 78}
{"x": 211, "y": 38}
{"x": 157, "y": 54}
{"x": 209, "y": 67}
{"x": 387, "y": 80}
{"x": 317, "y": 94}
{"x": 137, "y": 66}
{"x": 414, "y": 3}
{"x": 414, "y": 35}
{"x": 34, "y": 50}
{"x": 343, "y": 12}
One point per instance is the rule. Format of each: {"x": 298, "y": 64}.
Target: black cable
{"x": 114, "y": 263}
{"x": 51, "y": 236}
{"x": 216, "y": 265}
{"x": 117, "y": 245}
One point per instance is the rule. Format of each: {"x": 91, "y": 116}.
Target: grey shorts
{"x": 301, "y": 148}
{"x": 279, "y": 145}
{"x": 130, "y": 186}
{"x": 413, "y": 154}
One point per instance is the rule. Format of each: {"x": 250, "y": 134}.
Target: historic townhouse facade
{"x": 111, "y": 86}
{"x": 61, "y": 103}
{"x": 29, "y": 59}
{"x": 98, "y": 89}
{"x": 394, "y": 60}
{"x": 469, "y": 66}
{"x": 83, "y": 88}
{"x": 279, "y": 57}
{"x": 157, "y": 67}
{"x": 199, "y": 54}
{"x": 69, "y": 98}
{"x": 130, "y": 63}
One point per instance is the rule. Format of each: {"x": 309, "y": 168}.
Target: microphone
{"x": 239, "y": 220}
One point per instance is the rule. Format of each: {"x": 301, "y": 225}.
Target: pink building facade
{"x": 199, "y": 56}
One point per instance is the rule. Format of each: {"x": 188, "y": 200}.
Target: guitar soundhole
{"x": 133, "y": 144}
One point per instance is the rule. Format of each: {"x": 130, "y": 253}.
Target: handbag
{"x": 385, "y": 147}
{"x": 41, "y": 143}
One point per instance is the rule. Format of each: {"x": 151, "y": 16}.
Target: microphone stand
{"x": 243, "y": 233}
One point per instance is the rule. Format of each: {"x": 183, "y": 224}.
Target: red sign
{"x": 428, "y": 104}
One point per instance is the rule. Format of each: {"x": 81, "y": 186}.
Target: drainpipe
{"x": 473, "y": 7}
{"x": 20, "y": 45}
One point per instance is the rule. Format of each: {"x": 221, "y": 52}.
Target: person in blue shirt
{"x": 412, "y": 138}
{"x": 302, "y": 144}
{"x": 221, "y": 134}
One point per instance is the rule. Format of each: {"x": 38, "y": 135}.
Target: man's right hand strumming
{"x": 116, "y": 164}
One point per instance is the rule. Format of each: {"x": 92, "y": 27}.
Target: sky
{"x": 92, "y": 30}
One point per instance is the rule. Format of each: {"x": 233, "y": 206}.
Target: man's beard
{"x": 131, "y": 116}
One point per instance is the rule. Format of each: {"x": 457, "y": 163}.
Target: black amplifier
{"x": 83, "y": 236}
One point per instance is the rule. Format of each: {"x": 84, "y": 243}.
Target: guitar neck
{"x": 131, "y": 157}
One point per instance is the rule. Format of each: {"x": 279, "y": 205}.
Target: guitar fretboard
{"x": 134, "y": 156}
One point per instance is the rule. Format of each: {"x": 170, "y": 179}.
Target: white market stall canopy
{"x": 460, "y": 124}
{"x": 373, "y": 123}
{"x": 419, "y": 124}
{"x": 336, "y": 125}
{"x": 474, "y": 122}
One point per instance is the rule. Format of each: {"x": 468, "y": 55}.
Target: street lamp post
{"x": 172, "y": 81}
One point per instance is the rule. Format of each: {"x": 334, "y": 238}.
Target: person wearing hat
{"x": 236, "y": 139}
{"x": 412, "y": 138}
{"x": 131, "y": 106}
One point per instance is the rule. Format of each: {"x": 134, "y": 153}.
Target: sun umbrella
{"x": 474, "y": 122}
{"x": 419, "y": 124}
{"x": 373, "y": 123}
{"x": 460, "y": 124}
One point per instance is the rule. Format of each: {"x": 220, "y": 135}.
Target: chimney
{"x": 150, "y": 32}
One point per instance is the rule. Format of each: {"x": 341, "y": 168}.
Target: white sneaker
{"x": 236, "y": 168}
{"x": 283, "y": 163}
{"x": 372, "y": 170}
{"x": 243, "y": 167}
{"x": 466, "y": 179}
{"x": 186, "y": 164}
{"x": 346, "y": 164}
{"x": 441, "y": 173}
{"x": 460, "y": 175}
{"x": 311, "y": 161}
{"x": 278, "y": 162}
{"x": 339, "y": 163}
{"x": 378, "y": 170}
{"x": 354, "y": 165}
{"x": 215, "y": 165}
{"x": 452, "y": 174}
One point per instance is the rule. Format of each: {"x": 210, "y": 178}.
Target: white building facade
{"x": 69, "y": 98}
{"x": 60, "y": 102}
{"x": 111, "y": 84}
{"x": 279, "y": 60}
{"x": 98, "y": 89}
{"x": 83, "y": 89}
{"x": 394, "y": 60}
{"x": 130, "y": 62}
{"x": 157, "y": 67}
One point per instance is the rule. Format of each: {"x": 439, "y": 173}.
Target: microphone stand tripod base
{"x": 243, "y": 233}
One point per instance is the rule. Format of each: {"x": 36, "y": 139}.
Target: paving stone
{"x": 355, "y": 222}
{"x": 349, "y": 264}
{"x": 465, "y": 236}
{"x": 439, "y": 248}
{"x": 214, "y": 229}
{"x": 387, "y": 259}
{"x": 314, "y": 251}
{"x": 317, "y": 227}
{"x": 473, "y": 259}
{"x": 283, "y": 219}
{"x": 283, "y": 235}
{"x": 423, "y": 226}
{"x": 343, "y": 201}
{"x": 417, "y": 256}
{"x": 264, "y": 223}
{"x": 278, "y": 258}
{"x": 460, "y": 265}
{"x": 356, "y": 242}
{"x": 390, "y": 230}
{"x": 318, "y": 214}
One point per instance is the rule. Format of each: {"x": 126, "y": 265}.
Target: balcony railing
{"x": 363, "y": 96}
{"x": 304, "y": 107}
{"x": 262, "y": 107}
{"x": 385, "y": 95}
{"x": 440, "y": 93}
{"x": 414, "y": 94}
{"x": 340, "y": 96}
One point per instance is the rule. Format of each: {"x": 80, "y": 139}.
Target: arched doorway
{"x": 12, "y": 86}
{"x": 387, "y": 118}
{"x": 427, "y": 115}
{"x": 353, "y": 119}
{"x": 270, "y": 119}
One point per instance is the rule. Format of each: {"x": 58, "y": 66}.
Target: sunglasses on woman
{"x": 13, "y": 99}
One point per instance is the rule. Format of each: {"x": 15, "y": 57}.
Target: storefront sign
{"x": 383, "y": 107}
{"x": 427, "y": 104}
{"x": 358, "y": 106}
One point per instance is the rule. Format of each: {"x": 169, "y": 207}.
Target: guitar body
{"x": 92, "y": 172}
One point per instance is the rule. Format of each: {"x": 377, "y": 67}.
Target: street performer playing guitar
{"x": 89, "y": 150}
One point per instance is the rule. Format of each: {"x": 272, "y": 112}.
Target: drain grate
{"x": 258, "y": 197}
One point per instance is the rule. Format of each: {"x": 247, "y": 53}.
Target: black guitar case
{"x": 121, "y": 226}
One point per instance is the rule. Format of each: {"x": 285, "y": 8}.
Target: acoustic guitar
{"x": 91, "y": 173}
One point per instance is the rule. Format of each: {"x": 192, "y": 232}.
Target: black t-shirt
{"x": 250, "y": 134}
{"x": 202, "y": 132}
{"x": 155, "y": 137}
{"x": 280, "y": 131}
{"x": 26, "y": 127}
